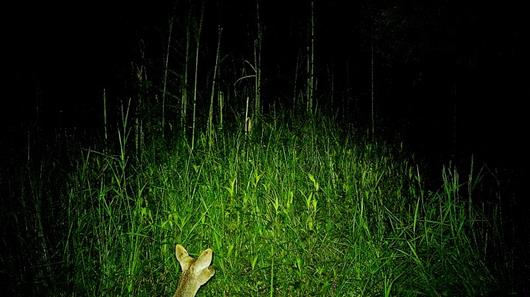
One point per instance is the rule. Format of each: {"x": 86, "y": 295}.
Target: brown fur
{"x": 195, "y": 273}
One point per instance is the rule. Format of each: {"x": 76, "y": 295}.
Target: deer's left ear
{"x": 183, "y": 257}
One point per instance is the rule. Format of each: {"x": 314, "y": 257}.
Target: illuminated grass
{"x": 293, "y": 210}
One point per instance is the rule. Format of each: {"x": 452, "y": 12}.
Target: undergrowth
{"x": 289, "y": 210}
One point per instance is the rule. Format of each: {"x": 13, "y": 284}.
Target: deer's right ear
{"x": 204, "y": 259}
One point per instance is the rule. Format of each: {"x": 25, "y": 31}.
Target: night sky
{"x": 451, "y": 79}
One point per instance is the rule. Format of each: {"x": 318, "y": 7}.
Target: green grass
{"x": 291, "y": 210}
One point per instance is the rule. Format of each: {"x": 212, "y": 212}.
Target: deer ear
{"x": 182, "y": 256}
{"x": 181, "y": 252}
{"x": 204, "y": 260}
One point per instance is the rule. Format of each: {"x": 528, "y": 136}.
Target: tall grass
{"x": 295, "y": 210}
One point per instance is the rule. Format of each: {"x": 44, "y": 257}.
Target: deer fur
{"x": 195, "y": 272}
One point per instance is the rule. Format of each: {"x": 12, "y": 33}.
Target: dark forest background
{"x": 446, "y": 75}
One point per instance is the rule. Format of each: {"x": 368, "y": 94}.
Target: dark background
{"x": 433, "y": 61}
{"x": 450, "y": 77}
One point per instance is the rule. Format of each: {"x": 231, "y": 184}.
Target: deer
{"x": 195, "y": 272}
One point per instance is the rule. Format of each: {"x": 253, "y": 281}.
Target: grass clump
{"x": 291, "y": 210}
